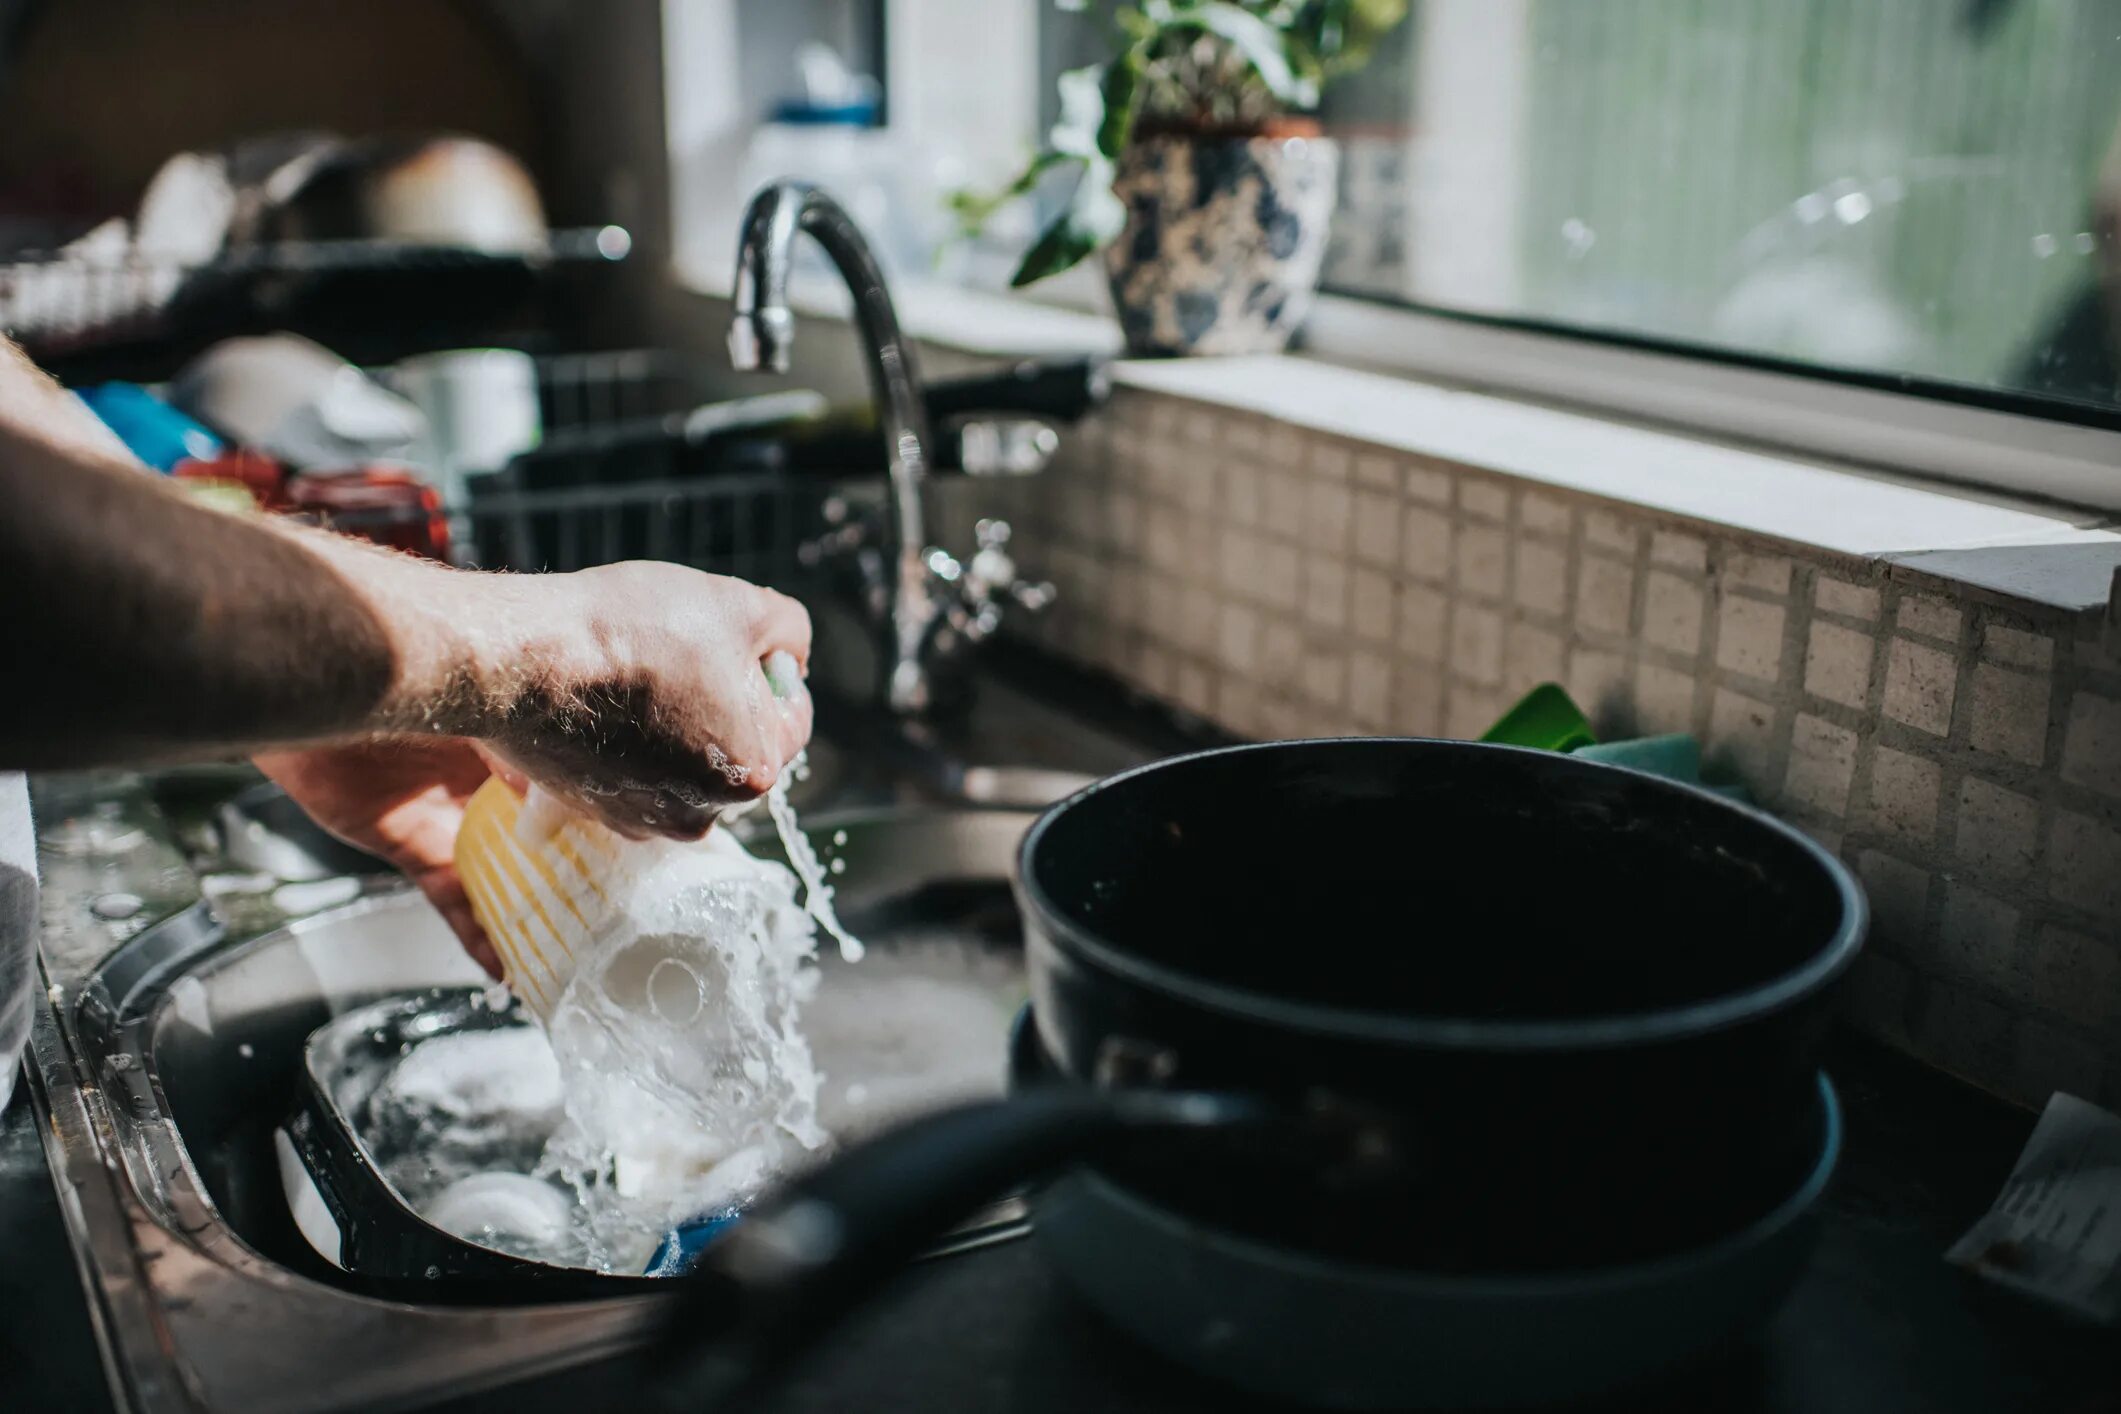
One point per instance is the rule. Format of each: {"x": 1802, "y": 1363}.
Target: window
{"x": 1902, "y": 191}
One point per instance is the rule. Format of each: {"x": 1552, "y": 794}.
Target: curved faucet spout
{"x": 761, "y": 333}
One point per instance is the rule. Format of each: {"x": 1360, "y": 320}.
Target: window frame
{"x": 1815, "y": 413}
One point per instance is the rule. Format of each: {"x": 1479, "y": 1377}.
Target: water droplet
{"x": 2084, "y": 243}
{"x": 433, "y": 1273}
{"x": 838, "y": 865}
{"x": 1577, "y": 238}
{"x": 1852, "y": 207}
{"x": 2044, "y": 245}
{"x": 246, "y": 1050}
{"x": 839, "y": 837}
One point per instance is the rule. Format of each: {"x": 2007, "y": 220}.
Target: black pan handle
{"x": 784, "y": 1274}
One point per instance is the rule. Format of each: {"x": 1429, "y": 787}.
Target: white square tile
{"x": 1417, "y": 698}
{"x": 1237, "y": 705}
{"x": 1678, "y": 550}
{"x": 1544, "y": 515}
{"x": 1837, "y": 665}
{"x": 1376, "y": 529}
{"x": 1770, "y": 574}
{"x": 1370, "y": 598}
{"x": 1199, "y": 617}
{"x": 1531, "y": 655}
{"x": 1476, "y": 645}
{"x": 1328, "y": 510}
{"x": 1238, "y": 638}
{"x": 1899, "y": 894}
{"x": 2084, "y": 865}
{"x": 1195, "y": 689}
{"x": 1605, "y": 595}
{"x": 1664, "y": 700}
{"x": 2018, "y": 648}
{"x": 1919, "y": 613}
{"x": 1240, "y": 556}
{"x": 1284, "y": 501}
{"x": 1281, "y": 654}
{"x": 1425, "y": 544}
{"x": 2010, "y": 713}
{"x": 1542, "y": 577}
{"x": 1484, "y": 498}
{"x": 2091, "y": 744}
{"x": 1282, "y": 717}
{"x": 1903, "y": 795}
{"x": 1822, "y": 763}
{"x": 2076, "y": 975}
{"x": 1838, "y": 596}
{"x": 1742, "y": 732}
{"x": 1483, "y": 560}
{"x": 1999, "y": 829}
{"x": 1919, "y": 686}
{"x": 1427, "y": 481}
{"x": 1165, "y": 546}
{"x": 1469, "y": 710}
{"x": 1749, "y": 638}
{"x": 1278, "y": 575}
{"x": 1324, "y": 679}
{"x": 1325, "y": 591}
{"x": 1609, "y": 531}
{"x": 1370, "y": 689}
{"x": 1378, "y": 471}
{"x": 1671, "y": 613}
{"x": 1329, "y": 460}
{"x": 1241, "y": 493}
{"x": 1979, "y": 933}
{"x": 1424, "y": 616}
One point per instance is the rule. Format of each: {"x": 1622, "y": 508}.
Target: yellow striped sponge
{"x": 542, "y": 881}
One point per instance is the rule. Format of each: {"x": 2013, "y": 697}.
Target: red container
{"x": 388, "y": 505}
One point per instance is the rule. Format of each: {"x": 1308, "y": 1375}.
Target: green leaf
{"x": 1117, "y": 92}
{"x": 1093, "y": 216}
{"x": 973, "y": 209}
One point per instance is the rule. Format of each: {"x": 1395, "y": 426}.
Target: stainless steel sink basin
{"x": 190, "y": 1042}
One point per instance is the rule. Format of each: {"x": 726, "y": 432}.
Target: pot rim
{"x": 1428, "y": 1031}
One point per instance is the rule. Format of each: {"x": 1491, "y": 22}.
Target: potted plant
{"x": 1200, "y": 169}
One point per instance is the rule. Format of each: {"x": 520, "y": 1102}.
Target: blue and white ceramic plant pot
{"x": 1223, "y": 241}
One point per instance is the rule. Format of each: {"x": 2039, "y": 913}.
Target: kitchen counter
{"x": 1880, "y": 1325}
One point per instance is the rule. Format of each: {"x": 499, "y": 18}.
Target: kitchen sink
{"x": 197, "y": 931}
{"x": 196, "y": 1042}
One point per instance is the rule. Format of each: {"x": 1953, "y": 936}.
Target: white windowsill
{"x": 2037, "y": 552}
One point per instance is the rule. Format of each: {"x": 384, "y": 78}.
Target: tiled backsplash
{"x": 1961, "y": 750}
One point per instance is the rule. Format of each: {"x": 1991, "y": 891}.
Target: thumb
{"x": 511, "y": 775}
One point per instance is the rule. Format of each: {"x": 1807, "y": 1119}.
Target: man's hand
{"x": 401, "y": 798}
{"x": 641, "y": 695}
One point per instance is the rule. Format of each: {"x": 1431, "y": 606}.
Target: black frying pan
{"x": 1418, "y": 1005}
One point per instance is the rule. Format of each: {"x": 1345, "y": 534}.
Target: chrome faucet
{"x": 931, "y": 606}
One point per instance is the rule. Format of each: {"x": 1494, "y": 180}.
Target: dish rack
{"x": 596, "y": 505}
{"x": 91, "y": 315}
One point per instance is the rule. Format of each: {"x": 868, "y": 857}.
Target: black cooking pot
{"x": 1416, "y": 1004}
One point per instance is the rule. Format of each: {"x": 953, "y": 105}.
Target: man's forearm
{"x": 137, "y": 625}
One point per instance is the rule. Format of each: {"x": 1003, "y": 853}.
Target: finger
{"x": 501, "y": 766}
{"x": 446, "y": 892}
{"x": 780, "y": 624}
{"x": 797, "y": 719}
